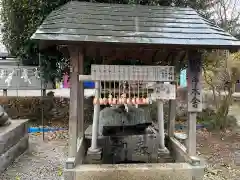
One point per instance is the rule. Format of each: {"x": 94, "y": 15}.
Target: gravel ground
{"x": 218, "y": 149}
{"x": 43, "y": 161}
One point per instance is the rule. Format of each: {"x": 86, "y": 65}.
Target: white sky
{"x": 2, "y": 47}
{"x": 232, "y": 8}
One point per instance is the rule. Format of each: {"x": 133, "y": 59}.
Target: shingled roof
{"x": 94, "y": 22}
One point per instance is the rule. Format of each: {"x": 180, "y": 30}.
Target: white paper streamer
{"x": 2, "y": 73}
{"x": 25, "y": 76}
{"x": 8, "y": 80}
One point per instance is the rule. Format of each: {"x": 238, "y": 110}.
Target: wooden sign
{"x": 132, "y": 73}
{"x": 164, "y": 91}
{"x": 194, "y": 86}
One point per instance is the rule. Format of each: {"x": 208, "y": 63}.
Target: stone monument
{"x": 4, "y": 119}
{"x": 131, "y": 118}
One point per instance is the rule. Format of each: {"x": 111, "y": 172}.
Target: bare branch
{"x": 233, "y": 9}
{"x": 228, "y": 3}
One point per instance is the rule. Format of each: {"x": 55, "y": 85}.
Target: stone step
{"x": 10, "y": 135}
{"x": 165, "y": 157}
{"x": 13, "y": 142}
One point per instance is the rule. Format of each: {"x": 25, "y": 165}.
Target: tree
{"x": 227, "y": 14}
{"x": 220, "y": 70}
{"x": 21, "y": 18}
{"x": 220, "y": 75}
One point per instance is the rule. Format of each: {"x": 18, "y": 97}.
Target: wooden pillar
{"x": 171, "y": 117}
{"x": 44, "y": 92}
{"x": 4, "y": 92}
{"x": 80, "y": 107}
{"x": 76, "y": 98}
{"x": 194, "y": 74}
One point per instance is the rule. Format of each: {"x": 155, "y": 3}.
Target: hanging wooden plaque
{"x": 132, "y": 73}
{"x": 194, "y": 73}
{"x": 164, "y": 91}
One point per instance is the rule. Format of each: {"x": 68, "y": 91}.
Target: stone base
{"x": 163, "y": 152}
{"x": 94, "y": 155}
{"x": 168, "y": 171}
{"x": 70, "y": 163}
{"x": 13, "y": 142}
{"x": 164, "y": 156}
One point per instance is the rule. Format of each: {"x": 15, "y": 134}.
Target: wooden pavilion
{"x": 152, "y": 34}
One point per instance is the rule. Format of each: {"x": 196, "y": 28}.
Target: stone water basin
{"x": 135, "y": 148}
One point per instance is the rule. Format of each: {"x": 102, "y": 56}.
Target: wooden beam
{"x": 46, "y": 44}
{"x": 134, "y": 45}
{"x": 171, "y": 117}
{"x": 76, "y": 98}
{"x": 64, "y": 50}
{"x": 194, "y": 97}
{"x": 4, "y": 92}
{"x": 85, "y": 78}
{"x": 154, "y": 55}
{"x": 172, "y": 107}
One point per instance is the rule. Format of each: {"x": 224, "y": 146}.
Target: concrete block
{"x": 70, "y": 163}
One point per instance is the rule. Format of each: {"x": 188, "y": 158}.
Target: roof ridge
{"x": 133, "y": 5}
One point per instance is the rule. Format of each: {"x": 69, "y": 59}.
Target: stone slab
{"x": 9, "y": 156}
{"x": 88, "y": 133}
{"x": 10, "y": 135}
{"x": 169, "y": 171}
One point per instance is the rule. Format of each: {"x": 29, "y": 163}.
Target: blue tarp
{"x": 88, "y": 84}
{"x": 46, "y": 129}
